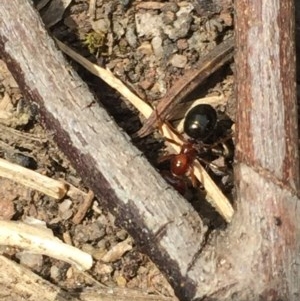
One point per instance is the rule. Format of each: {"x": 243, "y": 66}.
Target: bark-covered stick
{"x": 161, "y": 221}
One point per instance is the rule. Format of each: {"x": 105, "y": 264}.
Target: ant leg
{"x": 171, "y": 128}
{"x": 166, "y": 158}
{"x": 218, "y": 170}
{"x": 175, "y": 131}
{"x": 172, "y": 141}
{"x": 222, "y": 140}
{"x": 203, "y": 161}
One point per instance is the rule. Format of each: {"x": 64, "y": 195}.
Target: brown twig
{"x": 83, "y": 208}
{"x": 215, "y": 59}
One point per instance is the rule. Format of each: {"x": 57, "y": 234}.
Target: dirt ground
{"x": 148, "y": 45}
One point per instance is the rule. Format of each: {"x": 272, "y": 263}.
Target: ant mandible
{"x": 199, "y": 124}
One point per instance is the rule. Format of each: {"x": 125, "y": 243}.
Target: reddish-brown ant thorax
{"x": 189, "y": 150}
{"x": 181, "y": 163}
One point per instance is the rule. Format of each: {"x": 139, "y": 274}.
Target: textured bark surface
{"x": 266, "y": 89}
{"x": 256, "y": 258}
{"x": 267, "y": 173}
{"x": 102, "y": 154}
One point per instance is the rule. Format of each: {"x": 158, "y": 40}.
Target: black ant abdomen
{"x": 200, "y": 122}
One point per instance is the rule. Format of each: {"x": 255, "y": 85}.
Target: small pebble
{"x": 65, "y": 211}
{"x": 54, "y": 272}
{"x": 118, "y": 29}
{"x": 182, "y": 44}
{"x": 145, "y": 48}
{"x": 33, "y": 261}
{"x": 122, "y": 234}
{"x": 7, "y": 208}
{"x": 131, "y": 37}
{"x": 102, "y": 268}
{"x": 101, "y": 25}
{"x": 92, "y": 232}
{"x": 148, "y": 25}
{"x": 172, "y": 7}
{"x": 65, "y": 205}
{"x": 146, "y": 84}
{"x": 157, "y": 46}
{"x": 178, "y": 60}
{"x": 121, "y": 281}
{"x": 168, "y": 17}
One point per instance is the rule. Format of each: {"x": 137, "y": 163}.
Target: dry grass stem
{"x": 41, "y": 241}
{"x": 92, "y": 9}
{"x": 34, "y": 180}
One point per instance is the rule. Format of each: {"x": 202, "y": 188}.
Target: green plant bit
{"x": 95, "y": 42}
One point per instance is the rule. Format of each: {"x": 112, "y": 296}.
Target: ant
{"x": 199, "y": 124}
